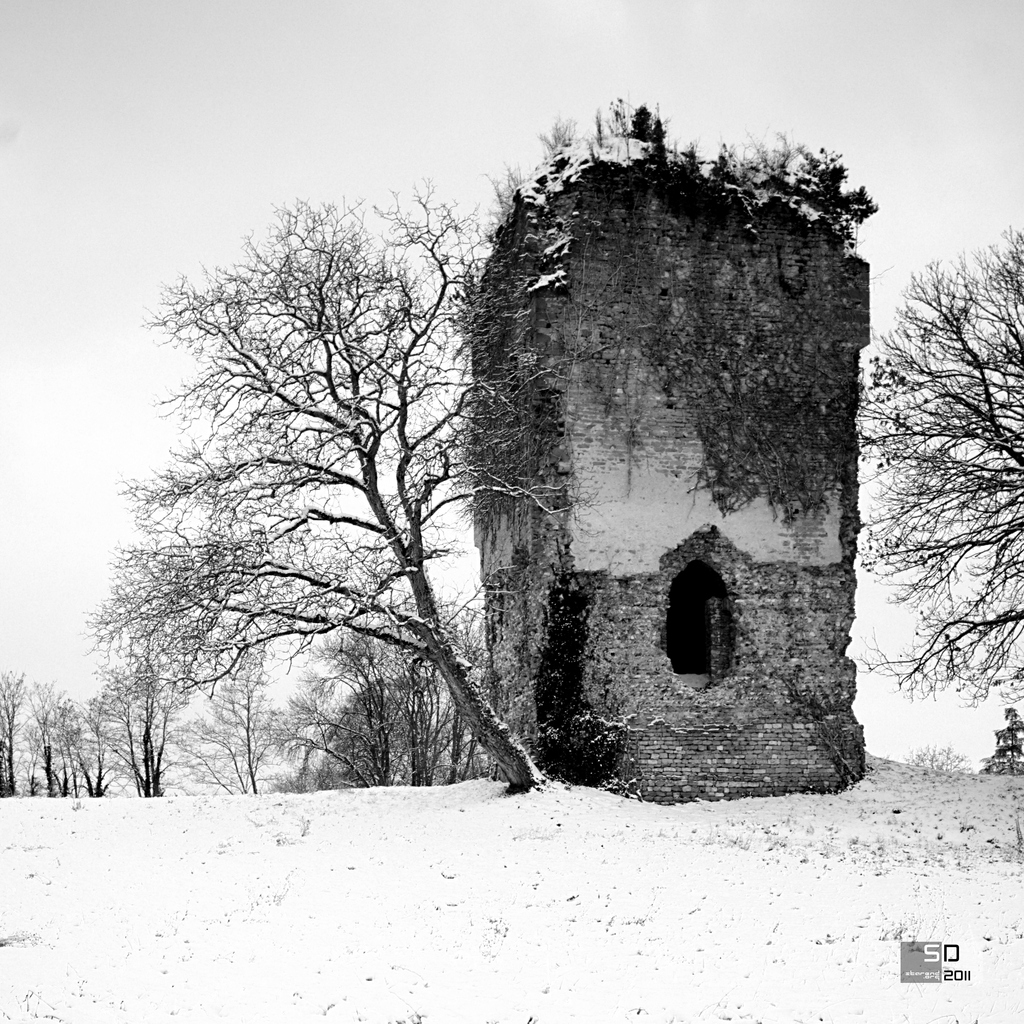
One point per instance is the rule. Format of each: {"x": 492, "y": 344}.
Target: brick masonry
{"x": 644, "y": 293}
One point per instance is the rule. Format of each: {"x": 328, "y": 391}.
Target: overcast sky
{"x": 141, "y": 140}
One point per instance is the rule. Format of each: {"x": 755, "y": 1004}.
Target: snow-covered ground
{"x": 465, "y": 905}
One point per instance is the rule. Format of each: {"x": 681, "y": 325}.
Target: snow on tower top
{"x": 810, "y": 184}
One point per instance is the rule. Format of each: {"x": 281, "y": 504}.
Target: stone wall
{"x": 667, "y": 345}
{"x": 727, "y": 762}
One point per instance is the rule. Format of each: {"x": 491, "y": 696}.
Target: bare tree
{"x": 944, "y": 759}
{"x": 382, "y": 718}
{"x": 94, "y": 750}
{"x": 504, "y": 187}
{"x": 561, "y": 133}
{"x": 347, "y": 722}
{"x": 232, "y": 744}
{"x": 68, "y": 731}
{"x": 13, "y": 697}
{"x": 314, "y": 774}
{"x": 328, "y": 397}
{"x": 943, "y": 426}
{"x": 463, "y": 758}
{"x": 426, "y": 714}
{"x": 44, "y": 734}
{"x": 30, "y": 761}
{"x": 143, "y": 708}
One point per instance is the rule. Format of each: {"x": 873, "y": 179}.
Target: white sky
{"x": 141, "y": 140}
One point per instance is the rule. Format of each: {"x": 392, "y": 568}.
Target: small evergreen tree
{"x": 1009, "y": 756}
{"x": 648, "y": 127}
{"x": 659, "y": 152}
{"x": 641, "y": 125}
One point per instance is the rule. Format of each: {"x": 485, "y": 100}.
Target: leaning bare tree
{"x": 944, "y": 433}
{"x": 325, "y": 409}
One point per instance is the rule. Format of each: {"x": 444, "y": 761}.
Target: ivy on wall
{"x": 774, "y": 417}
{"x": 774, "y": 401}
{"x": 574, "y": 743}
{"x": 835, "y": 731}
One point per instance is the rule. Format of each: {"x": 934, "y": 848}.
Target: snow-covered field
{"x": 465, "y": 905}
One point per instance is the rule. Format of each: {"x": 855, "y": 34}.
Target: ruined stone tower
{"x": 669, "y": 355}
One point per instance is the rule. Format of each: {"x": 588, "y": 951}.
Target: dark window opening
{"x": 698, "y": 628}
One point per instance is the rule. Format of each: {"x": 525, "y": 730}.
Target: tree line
{"x": 362, "y": 717}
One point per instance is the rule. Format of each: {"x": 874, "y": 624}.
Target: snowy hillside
{"x": 463, "y": 905}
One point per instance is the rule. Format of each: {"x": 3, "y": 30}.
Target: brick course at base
{"x": 723, "y": 763}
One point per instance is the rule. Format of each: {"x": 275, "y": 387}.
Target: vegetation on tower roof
{"x": 688, "y": 183}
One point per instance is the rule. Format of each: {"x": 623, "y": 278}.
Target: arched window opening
{"x": 698, "y": 628}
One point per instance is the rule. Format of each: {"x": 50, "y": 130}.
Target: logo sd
{"x": 931, "y": 952}
{"x": 926, "y": 963}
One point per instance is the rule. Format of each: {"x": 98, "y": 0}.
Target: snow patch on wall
{"x": 570, "y": 161}
{"x": 629, "y": 532}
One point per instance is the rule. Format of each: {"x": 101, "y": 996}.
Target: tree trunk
{"x": 455, "y": 753}
{"x": 51, "y": 778}
{"x": 514, "y": 763}
{"x": 418, "y": 729}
